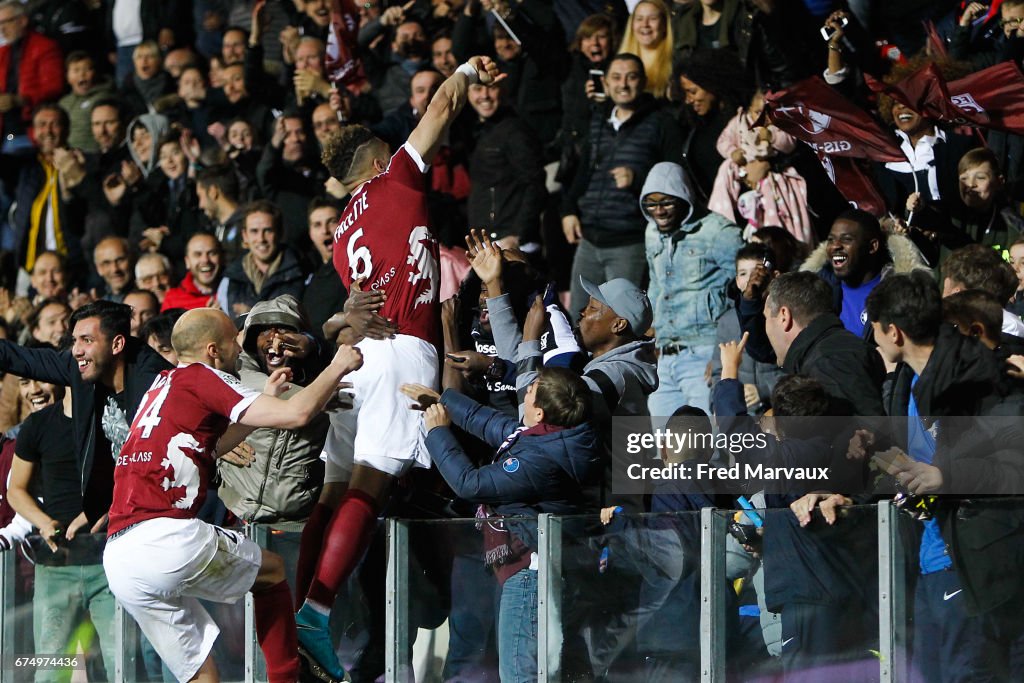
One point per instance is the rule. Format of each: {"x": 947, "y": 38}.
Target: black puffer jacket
{"x": 610, "y": 215}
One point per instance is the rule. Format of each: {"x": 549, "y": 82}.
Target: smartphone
{"x": 826, "y": 34}
{"x": 767, "y": 263}
{"x": 597, "y": 78}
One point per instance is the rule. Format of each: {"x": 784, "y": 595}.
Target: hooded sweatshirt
{"x": 285, "y": 480}
{"x": 157, "y": 125}
{"x": 689, "y": 265}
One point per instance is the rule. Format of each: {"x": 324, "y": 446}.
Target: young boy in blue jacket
{"x": 539, "y": 466}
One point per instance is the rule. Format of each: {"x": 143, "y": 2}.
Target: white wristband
{"x": 469, "y": 71}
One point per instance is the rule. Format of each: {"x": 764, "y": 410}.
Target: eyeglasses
{"x": 1012, "y": 23}
{"x": 663, "y": 204}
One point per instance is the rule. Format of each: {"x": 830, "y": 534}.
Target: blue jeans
{"x": 680, "y": 382}
{"x": 517, "y": 628}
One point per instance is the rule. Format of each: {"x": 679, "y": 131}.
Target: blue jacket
{"x": 537, "y": 473}
{"x": 689, "y": 266}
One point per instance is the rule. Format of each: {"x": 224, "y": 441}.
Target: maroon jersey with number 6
{"x": 164, "y": 468}
{"x": 383, "y": 236}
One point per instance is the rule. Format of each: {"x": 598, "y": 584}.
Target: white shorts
{"x": 159, "y": 569}
{"x": 381, "y": 430}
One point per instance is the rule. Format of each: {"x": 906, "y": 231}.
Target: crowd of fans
{"x": 623, "y": 233}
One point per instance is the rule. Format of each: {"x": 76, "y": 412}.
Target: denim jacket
{"x": 689, "y": 266}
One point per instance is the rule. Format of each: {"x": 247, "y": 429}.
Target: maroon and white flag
{"x": 840, "y": 132}
{"x": 342, "y": 64}
{"x": 814, "y": 112}
{"x": 990, "y": 98}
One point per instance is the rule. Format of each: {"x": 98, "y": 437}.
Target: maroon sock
{"x": 344, "y": 544}
{"x": 275, "y": 631}
{"x": 309, "y": 549}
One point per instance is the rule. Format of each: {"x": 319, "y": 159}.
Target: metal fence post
{"x": 549, "y": 599}
{"x": 892, "y": 598}
{"x": 7, "y": 573}
{"x": 260, "y": 535}
{"x": 712, "y": 596}
{"x": 397, "y": 653}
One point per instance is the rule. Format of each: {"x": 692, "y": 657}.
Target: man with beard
{"x": 204, "y": 261}
{"x": 324, "y": 295}
{"x": 284, "y": 480}
{"x": 108, "y": 372}
{"x": 43, "y": 219}
{"x": 175, "y": 439}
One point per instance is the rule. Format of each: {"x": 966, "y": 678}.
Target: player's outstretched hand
{"x": 424, "y": 396}
{"x": 278, "y": 382}
{"x": 348, "y": 359}
{"x": 487, "y": 71}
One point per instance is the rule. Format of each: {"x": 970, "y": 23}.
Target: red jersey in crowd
{"x": 383, "y": 236}
{"x": 165, "y": 465}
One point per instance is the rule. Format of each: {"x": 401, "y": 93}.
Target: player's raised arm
{"x": 448, "y": 102}
{"x": 297, "y": 411}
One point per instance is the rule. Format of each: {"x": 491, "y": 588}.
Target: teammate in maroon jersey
{"x": 159, "y": 558}
{"x": 384, "y": 240}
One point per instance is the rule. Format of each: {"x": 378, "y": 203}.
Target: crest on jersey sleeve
{"x": 423, "y": 264}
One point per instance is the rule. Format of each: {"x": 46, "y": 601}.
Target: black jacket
{"x": 611, "y": 216}
{"x": 287, "y": 279}
{"x": 849, "y": 369}
{"x": 506, "y": 169}
{"x": 95, "y": 462}
{"x": 979, "y": 451}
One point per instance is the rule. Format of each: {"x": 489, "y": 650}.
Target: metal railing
{"x": 559, "y": 544}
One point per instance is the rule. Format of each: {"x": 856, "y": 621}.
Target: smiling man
{"x": 506, "y": 170}
{"x": 278, "y": 334}
{"x": 691, "y": 253}
{"x": 628, "y": 135}
{"x": 856, "y": 256}
{"x": 267, "y": 270}
{"x": 204, "y": 260}
{"x": 109, "y": 372}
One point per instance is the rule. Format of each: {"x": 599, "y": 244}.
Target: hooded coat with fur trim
{"x": 904, "y": 257}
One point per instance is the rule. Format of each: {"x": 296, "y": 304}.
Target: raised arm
{"x": 268, "y": 411}
{"x": 44, "y": 365}
{"x": 448, "y": 102}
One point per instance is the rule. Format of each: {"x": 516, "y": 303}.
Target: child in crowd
{"x": 539, "y": 466}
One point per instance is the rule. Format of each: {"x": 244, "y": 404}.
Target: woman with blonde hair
{"x": 649, "y": 35}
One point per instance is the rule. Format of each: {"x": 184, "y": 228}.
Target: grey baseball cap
{"x": 627, "y": 300}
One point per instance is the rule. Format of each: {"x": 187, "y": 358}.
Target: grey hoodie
{"x": 157, "y": 125}
{"x": 690, "y": 265}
